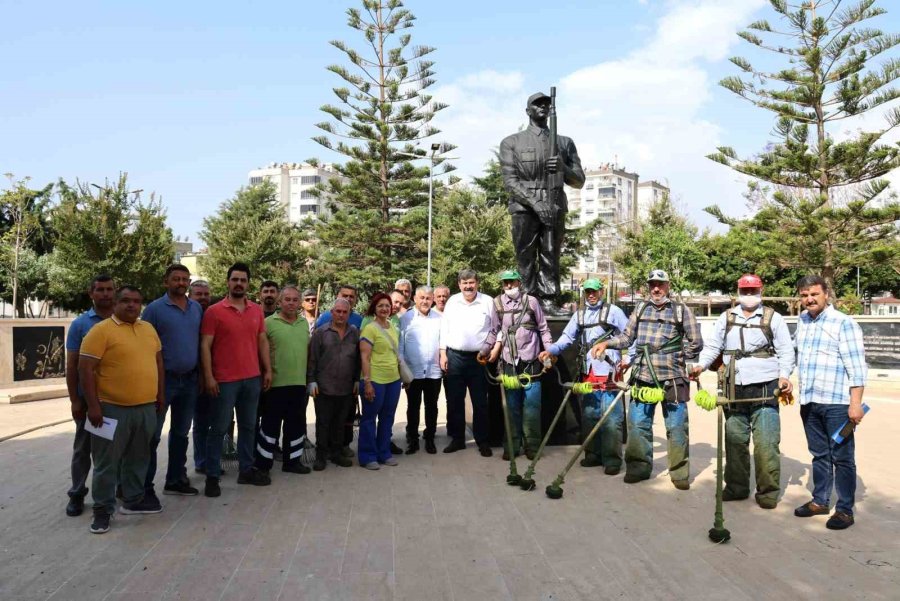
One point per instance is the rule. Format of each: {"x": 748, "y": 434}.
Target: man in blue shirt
{"x": 831, "y": 370}
{"x": 758, "y": 358}
{"x": 593, "y": 320}
{"x": 102, "y": 293}
{"x": 177, "y": 321}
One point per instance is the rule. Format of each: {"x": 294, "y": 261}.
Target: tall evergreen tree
{"x": 253, "y": 228}
{"x": 112, "y": 232}
{"x": 820, "y": 211}
{"x": 382, "y": 113}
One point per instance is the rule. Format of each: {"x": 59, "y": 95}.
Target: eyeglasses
{"x": 309, "y": 300}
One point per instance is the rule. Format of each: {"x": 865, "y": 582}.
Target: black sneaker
{"x": 320, "y": 464}
{"x": 75, "y": 507}
{"x": 100, "y": 524}
{"x": 180, "y": 488}
{"x": 149, "y": 504}
{"x": 255, "y": 477}
{"x": 342, "y": 461}
{"x": 212, "y": 487}
{"x": 295, "y": 467}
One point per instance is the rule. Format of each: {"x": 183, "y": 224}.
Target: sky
{"x": 187, "y": 97}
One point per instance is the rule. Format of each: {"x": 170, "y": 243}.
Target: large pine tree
{"x": 377, "y": 230}
{"x": 825, "y": 203}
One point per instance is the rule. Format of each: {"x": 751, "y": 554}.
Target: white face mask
{"x": 513, "y": 293}
{"x": 660, "y": 302}
{"x": 750, "y": 301}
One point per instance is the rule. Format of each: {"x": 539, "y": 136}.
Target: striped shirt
{"x": 830, "y": 357}
{"x": 657, "y": 328}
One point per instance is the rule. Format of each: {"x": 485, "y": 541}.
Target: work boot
{"x": 320, "y": 464}
{"x": 809, "y": 509}
{"x": 612, "y": 470}
{"x": 295, "y": 467}
{"x": 590, "y": 461}
{"x": 412, "y": 447}
{"x": 634, "y": 478}
{"x": 839, "y": 521}
{"x": 485, "y": 450}
{"x": 429, "y": 446}
{"x": 212, "y": 487}
{"x": 75, "y": 507}
{"x": 727, "y": 495}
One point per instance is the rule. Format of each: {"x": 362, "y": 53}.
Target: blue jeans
{"x": 464, "y": 372}
{"x": 181, "y": 398}
{"x": 639, "y": 450}
{"x": 607, "y": 445}
{"x": 833, "y": 464}
{"x": 241, "y": 397}
{"x": 375, "y": 441}
{"x": 527, "y": 402}
{"x": 201, "y": 428}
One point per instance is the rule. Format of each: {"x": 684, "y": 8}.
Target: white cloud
{"x": 645, "y": 108}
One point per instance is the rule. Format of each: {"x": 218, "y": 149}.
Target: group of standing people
{"x": 236, "y": 362}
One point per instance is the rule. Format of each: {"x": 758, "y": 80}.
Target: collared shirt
{"x": 751, "y": 370}
{"x": 529, "y": 342}
{"x": 178, "y": 330}
{"x": 830, "y": 357}
{"x": 334, "y": 362}
{"x": 78, "y": 329}
{"x": 126, "y": 373}
{"x": 288, "y": 346}
{"x": 523, "y": 162}
{"x": 355, "y": 319}
{"x": 658, "y": 327}
{"x": 420, "y": 339}
{"x": 465, "y": 325}
{"x": 235, "y": 345}
{"x": 576, "y": 330}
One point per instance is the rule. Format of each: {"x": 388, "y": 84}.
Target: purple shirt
{"x": 529, "y": 340}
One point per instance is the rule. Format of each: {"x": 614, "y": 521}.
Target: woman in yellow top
{"x": 378, "y": 343}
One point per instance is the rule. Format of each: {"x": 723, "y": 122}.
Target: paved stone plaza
{"x": 448, "y": 527}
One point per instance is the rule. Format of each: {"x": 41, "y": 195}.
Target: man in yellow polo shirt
{"x": 122, "y": 374}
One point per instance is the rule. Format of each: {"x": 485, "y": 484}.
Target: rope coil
{"x": 647, "y": 394}
{"x": 517, "y": 382}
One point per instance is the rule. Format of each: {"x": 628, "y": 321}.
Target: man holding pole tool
{"x": 664, "y": 333}
{"x": 757, "y": 360}
{"x": 594, "y": 321}
{"x": 535, "y": 164}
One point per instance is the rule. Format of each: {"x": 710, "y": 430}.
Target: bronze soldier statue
{"x": 535, "y": 164}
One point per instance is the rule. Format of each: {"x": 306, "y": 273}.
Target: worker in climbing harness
{"x": 757, "y": 358}
{"x": 595, "y": 320}
{"x": 519, "y": 327}
{"x": 664, "y": 333}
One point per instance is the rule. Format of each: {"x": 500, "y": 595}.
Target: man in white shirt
{"x": 464, "y": 326}
{"x": 420, "y": 336}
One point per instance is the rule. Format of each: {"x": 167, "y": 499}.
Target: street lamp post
{"x": 435, "y": 148}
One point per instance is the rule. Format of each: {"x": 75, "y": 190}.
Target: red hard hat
{"x": 749, "y": 280}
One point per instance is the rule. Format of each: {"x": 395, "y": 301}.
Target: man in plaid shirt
{"x": 831, "y": 366}
{"x": 664, "y": 334}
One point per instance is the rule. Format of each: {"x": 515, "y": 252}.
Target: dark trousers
{"x": 353, "y": 413}
{"x": 125, "y": 458}
{"x": 285, "y": 405}
{"x": 430, "y": 389}
{"x": 81, "y": 460}
{"x": 181, "y": 399}
{"x": 833, "y": 464}
{"x": 201, "y": 428}
{"x": 465, "y": 373}
{"x": 537, "y": 252}
{"x": 331, "y": 415}
{"x": 761, "y": 421}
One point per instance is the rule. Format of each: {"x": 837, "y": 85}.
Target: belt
{"x": 458, "y": 352}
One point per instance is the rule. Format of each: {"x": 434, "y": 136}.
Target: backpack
{"x": 765, "y": 324}
{"x": 679, "y": 315}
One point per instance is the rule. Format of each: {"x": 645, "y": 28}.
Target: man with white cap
{"x": 664, "y": 333}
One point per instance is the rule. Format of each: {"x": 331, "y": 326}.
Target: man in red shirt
{"x": 234, "y": 352}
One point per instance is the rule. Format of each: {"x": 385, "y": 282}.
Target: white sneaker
{"x": 372, "y": 465}
{"x": 391, "y": 461}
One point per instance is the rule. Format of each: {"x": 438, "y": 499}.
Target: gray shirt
{"x": 523, "y": 162}
{"x": 334, "y": 363}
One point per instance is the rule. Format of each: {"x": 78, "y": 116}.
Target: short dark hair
{"x": 269, "y": 284}
{"x": 348, "y": 287}
{"x": 374, "y": 303}
{"x": 238, "y": 267}
{"x": 808, "y": 281}
{"x": 400, "y": 292}
{"x": 175, "y": 267}
{"x": 103, "y": 277}
{"x": 467, "y": 274}
{"x": 127, "y": 288}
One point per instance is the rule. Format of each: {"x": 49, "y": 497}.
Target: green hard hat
{"x": 510, "y": 274}
{"x": 592, "y": 284}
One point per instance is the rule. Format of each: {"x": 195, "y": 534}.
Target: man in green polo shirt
{"x": 286, "y": 400}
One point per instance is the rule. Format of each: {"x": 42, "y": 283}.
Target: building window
{"x": 254, "y": 181}
{"x": 309, "y": 180}
{"x": 309, "y": 209}
{"x": 307, "y": 195}
{"x": 589, "y": 187}
{"x": 294, "y": 181}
